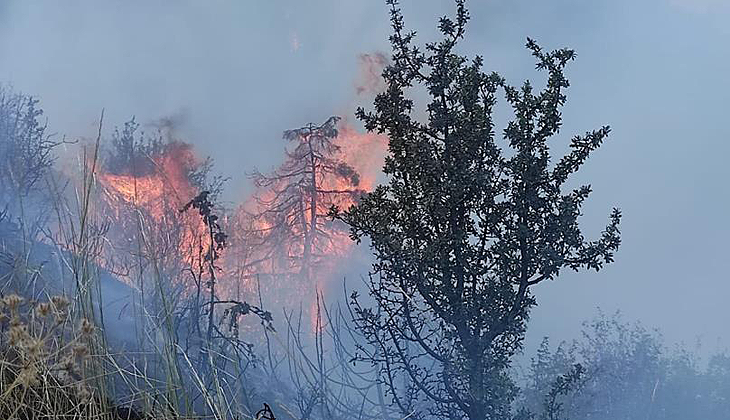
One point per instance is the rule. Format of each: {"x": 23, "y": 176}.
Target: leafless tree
{"x": 26, "y": 154}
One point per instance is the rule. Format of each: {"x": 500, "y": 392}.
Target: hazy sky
{"x": 238, "y": 73}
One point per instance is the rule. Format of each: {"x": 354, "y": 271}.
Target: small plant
{"x": 265, "y": 413}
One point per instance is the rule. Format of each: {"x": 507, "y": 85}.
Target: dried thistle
{"x": 67, "y": 364}
{"x": 28, "y": 376}
{"x": 12, "y": 302}
{"x": 80, "y": 351}
{"x": 43, "y": 310}
{"x": 34, "y": 348}
{"x": 15, "y": 321}
{"x": 60, "y": 308}
{"x": 87, "y": 328}
{"x": 18, "y": 334}
{"x": 60, "y": 302}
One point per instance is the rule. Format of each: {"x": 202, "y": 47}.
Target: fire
{"x": 281, "y": 241}
{"x": 167, "y": 183}
{"x": 144, "y": 206}
{"x": 280, "y": 249}
{"x": 291, "y": 242}
{"x": 365, "y": 152}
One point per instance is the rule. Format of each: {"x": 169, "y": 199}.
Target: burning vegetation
{"x": 195, "y": 264}
{"x": 145, "y": 181}
{"x": 164, "y": 299}
{"x": 294, "y": 243}
{"x": 282, "y": 241}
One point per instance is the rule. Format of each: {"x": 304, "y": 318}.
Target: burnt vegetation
{"x": 129, "y": 290}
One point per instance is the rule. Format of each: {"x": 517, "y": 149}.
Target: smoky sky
{"x": 235, "y": 74}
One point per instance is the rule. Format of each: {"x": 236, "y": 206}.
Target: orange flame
{"x": 153, "y": 199}
{"x": 362, "y": 156}
{"x": 148, "y": 205}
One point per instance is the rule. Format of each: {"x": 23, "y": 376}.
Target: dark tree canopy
{"x": 133, "y": 152}
{"x": 466, "y": 224}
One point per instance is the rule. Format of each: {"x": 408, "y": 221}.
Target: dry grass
{"x": 44, "y": 363}
{"x": 55, "y": 361}
{"x": 49, "y": 370}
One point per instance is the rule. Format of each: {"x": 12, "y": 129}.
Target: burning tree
{"x": 145, "y": 181}
{"x": 164, "y": 253}
{"x": 166, "y": 222}
{"x": 292, "y": 232}
{"x": 464, "y": 229}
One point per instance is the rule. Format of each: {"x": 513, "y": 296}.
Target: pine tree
{"x": 466, "y": 224}
{"x": 290, "y": 225}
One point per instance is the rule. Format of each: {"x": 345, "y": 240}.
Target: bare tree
{"x": 26, "y": 152}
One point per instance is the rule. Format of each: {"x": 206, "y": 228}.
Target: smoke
{"x": 370, "y": 80}
{"x": 171, "y": 125}
{"x": 700, "y": 6}
{"x": 243, "y": 72}
{"x": 239, "y": 73}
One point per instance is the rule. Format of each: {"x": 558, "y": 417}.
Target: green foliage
{"x": 466, "y": 224}
{"x": 563, "y": 385}
{"x": 26, "y": 149}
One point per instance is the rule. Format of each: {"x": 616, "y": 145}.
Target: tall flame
{"x": 143, "y": 208}
{"x": 291, "y": 266}
{"x": 277, "y": 225}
